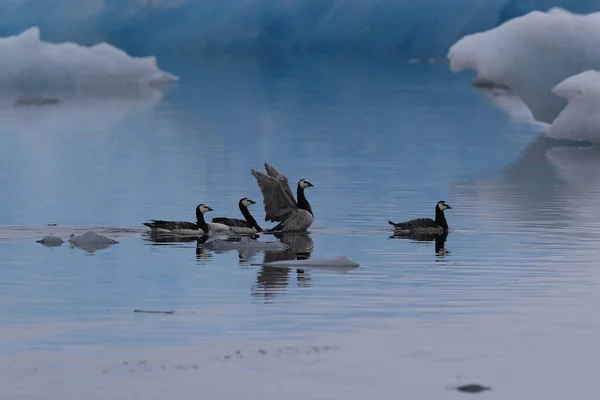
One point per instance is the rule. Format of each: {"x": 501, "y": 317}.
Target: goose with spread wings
{"x": 280, "y": 205}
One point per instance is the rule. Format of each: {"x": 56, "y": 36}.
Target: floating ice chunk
{"x": 532, "y": 54}
{"x": 335, "y": 263}
{"x": 50, "y": 241}
{"x": 28, "y": 62}
{"x": 580, "y": 120}
{"x": 90, "y": 241}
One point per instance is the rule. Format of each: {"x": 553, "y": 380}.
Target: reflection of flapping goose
{"x": 300, "y": 247}
{"x": 279, "y": 203}
{"x": 50, "y": 241}
{"x": 425, "y": 225}
{"x": 270, "y": 279}
{"x": 247, "y": 225}
{"x": 90, "y": 241}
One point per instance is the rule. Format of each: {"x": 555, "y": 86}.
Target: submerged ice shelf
{"x": 27, "y": 62}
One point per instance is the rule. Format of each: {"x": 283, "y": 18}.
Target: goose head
{"x": 442, "y": 205}
{"x": 246, "y": 202}
{"x": 203, "y": 208}
{"x": 303, "y": 183}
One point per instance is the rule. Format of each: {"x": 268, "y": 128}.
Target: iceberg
{"x": 532, "y": 54}
{"x": 580, "y": 119}
{"x": 30, "y": 63}
{"x": 416, "y": 28}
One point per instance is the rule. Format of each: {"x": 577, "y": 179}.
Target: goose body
{"x": 247, "y": 225}
{"x": 425, "y": 225}
{"x": 280, "y": 205}
{"x": 200, "y": 227}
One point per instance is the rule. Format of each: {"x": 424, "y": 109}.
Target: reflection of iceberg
{"x": 551, "y": 186}
{"x": 532, "y": 54}
{"x": 96, "y": 108}
{"x": 28, "y": 62}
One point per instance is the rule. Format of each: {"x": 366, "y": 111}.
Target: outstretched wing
{"x": 285, "y": 186}
{"x": 277, "y": 196}
{"x": 235, "y": 222}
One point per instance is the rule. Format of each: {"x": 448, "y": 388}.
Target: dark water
{"x": 508, "y": 302}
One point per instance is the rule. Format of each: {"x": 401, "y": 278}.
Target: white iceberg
{"x": 532, "y": 54}
{"x": 580, "y": 120}
{"x": 28, "y": 62}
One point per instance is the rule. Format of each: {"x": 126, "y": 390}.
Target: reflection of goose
{"x": 247, "y": 225}
{"x": 200, "y": 227}
{"x": 440, "y": 239}
{"x": 50, "y": 241}
{"x": 90, "y": 241}
{"x": 160, "y": 239}
{"x": 279, "y": 202}
{"x": 244, "y": 243}
{"x": 425, "y": 225}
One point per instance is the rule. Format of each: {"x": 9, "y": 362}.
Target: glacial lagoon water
{"x": 508, "y": 301}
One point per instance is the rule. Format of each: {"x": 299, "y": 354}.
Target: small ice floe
{"x": 341, "y": 264}
{"x": 90, "y": 241}
{"x": 50, "y": 241}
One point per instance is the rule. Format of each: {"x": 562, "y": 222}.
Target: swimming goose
{"x": 247, "y": 225}
{"x": 279, "y": 203}
{"x": 425, "y": 225}
{"x": 182, "y": 227}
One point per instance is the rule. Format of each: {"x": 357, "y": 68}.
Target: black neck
{"x": 249, "y": 218}
{"x": 302, "y": 202}
{"x": 440, "y": 218}
{"x": 200, "y": 221}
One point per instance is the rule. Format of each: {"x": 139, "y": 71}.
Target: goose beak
{"x": 448, "y": 207}
{"x": 208, "y": 209}
{"x": 251, "y": 201}
{"x": 309, "y": 184}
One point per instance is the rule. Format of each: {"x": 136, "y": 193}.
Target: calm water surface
{"x": 510, "y": 300}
